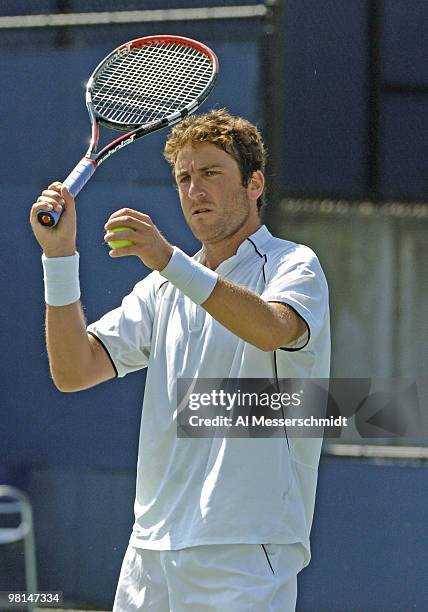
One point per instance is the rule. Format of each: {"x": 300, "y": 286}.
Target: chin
{"x": 202, "y": 235}
{"x": 204, "y": 232}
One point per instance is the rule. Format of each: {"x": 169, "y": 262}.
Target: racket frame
{"x": 92, "y": 159}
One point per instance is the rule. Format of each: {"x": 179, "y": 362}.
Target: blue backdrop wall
{"x": 76, "y": 454}
{"x": 55, "y": 134}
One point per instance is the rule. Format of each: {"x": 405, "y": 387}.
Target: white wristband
{"x": 192, "y": 278}
{"x": 61, "y": 276}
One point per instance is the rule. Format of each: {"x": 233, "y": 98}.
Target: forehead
{"x": 202, "y": 154}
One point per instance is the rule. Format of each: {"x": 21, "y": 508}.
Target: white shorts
{"x": 214, "y": 578}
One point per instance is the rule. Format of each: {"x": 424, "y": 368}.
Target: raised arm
{"x": 77, "y": 361}
{"x": 266, "y": 325}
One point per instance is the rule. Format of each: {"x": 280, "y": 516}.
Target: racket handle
{"x": 79, "y": 176}
{"x": 74, "y": 182}
{"x": 48, "y": 218}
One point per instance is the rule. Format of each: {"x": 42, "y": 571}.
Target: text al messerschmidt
{"x": 263, "y": 421}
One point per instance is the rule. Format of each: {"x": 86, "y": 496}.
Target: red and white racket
{"x": 142, "y": 86}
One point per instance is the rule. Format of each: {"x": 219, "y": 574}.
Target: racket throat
{"x": 117, "y": 144}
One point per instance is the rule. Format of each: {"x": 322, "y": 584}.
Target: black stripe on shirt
{"x": 107, "y": 353}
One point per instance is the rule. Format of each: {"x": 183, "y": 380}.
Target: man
{"x": 221, "y": 524}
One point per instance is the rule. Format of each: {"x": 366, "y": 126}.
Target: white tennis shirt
{"x": 194, "y": 491}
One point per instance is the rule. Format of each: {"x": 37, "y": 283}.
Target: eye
{"x": 184, "y": 178}
{"x": 211, "y": 172}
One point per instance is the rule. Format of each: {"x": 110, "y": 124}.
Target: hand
{"x": 149, "y": 244}
{"x": 58, "y": 241}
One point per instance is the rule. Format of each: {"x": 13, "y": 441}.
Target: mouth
{"x": 200, "y": 211}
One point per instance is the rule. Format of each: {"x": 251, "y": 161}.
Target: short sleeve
{"x": 297, "y": 279}
{"x": 126, "y": 332}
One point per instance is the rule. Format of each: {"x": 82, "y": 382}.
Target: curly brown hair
{"x": 234, "y": 135}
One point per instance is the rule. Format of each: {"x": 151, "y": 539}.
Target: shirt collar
{"x": 258, "y": 240}
{"x": 255, "y": 241}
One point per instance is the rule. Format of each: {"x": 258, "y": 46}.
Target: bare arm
{"x": 76, "y": 359}
{"x": 266, "y": 325}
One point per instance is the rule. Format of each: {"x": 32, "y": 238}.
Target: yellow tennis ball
{"x": 119, "y": 244}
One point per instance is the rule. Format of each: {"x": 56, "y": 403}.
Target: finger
{"x": 127, "y": 221}
{"x": 125, "y": 234}
{"x": 43, "y": 207}
{"x": 56, "y": 204}
{"x": 36, "y": 207}
{"x": 52, "y": 195}
{"x": 122, "y": 252}
{"x": 56, "y": 186}
{"x": 66, "y": 195}
{"x": 129, "y": 212}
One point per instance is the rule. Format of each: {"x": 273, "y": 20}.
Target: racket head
{"x": 151, "y": 82}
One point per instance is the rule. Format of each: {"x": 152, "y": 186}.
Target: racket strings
{"x": 160, "y": 78}
{"x": 149, "y": 83}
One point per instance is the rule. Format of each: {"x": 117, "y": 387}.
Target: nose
{"x": 196, "y": 189}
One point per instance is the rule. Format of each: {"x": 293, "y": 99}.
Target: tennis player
{"x": 221, "y": 524}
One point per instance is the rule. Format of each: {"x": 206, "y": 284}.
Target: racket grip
{"x": 48, "y": 218}
{"x": 74, "y": 182}
{"x": 79, "y": 176}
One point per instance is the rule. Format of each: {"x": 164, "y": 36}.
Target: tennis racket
{"x": 142, "y": 86}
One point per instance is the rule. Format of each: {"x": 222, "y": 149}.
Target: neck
{"x": 217, "y": 252}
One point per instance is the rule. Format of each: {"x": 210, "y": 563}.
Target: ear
{"x": 256, "y": 185}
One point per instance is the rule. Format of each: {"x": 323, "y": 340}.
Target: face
{"x": 214, "y": 202}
